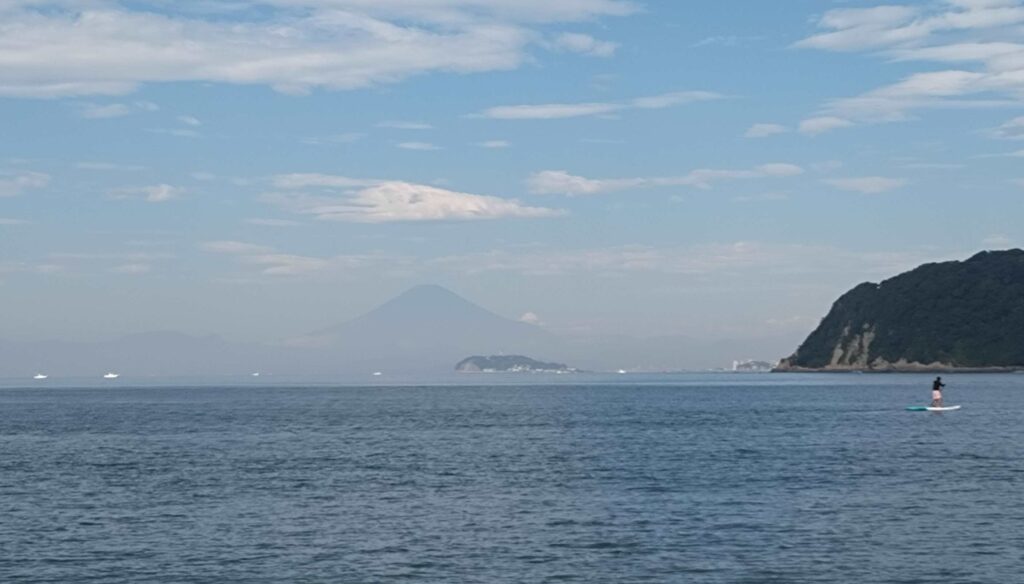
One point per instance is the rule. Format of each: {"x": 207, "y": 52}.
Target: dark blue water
{"x": 691, "y": 479}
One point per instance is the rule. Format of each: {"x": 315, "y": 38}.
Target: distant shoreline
{"x": 922, "y": 369}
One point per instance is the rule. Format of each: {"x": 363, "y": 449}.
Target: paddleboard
{"x": 931, "y": 409}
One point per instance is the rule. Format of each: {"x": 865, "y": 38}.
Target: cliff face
{"x": 951, "y": 315}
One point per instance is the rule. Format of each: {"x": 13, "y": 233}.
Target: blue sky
{"x": 717, "y": 169}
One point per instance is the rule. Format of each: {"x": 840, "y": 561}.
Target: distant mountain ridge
{"x": 942, "y": 316}
{"x": 424, "y": 330}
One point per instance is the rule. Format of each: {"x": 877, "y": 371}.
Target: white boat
{"x": 377, "y": 374}
{"x": 40, "y": 376}
{"x": 622, "y": 371}
{"x": 256, "y": 374}
{"x": 111, "y": 375}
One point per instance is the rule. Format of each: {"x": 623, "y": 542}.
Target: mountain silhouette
{"x": 428, "y": 328}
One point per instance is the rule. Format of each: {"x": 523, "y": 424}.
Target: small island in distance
{"x": 509, "y": 364}
{"x": 949, "y": 316}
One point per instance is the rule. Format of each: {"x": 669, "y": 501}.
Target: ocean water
{"x": 687, "y": 478}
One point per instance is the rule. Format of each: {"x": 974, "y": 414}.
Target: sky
{"x": 718, "y": 169}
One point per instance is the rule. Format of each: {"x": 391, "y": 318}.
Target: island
{"x": 509, "y": 364}
{"x": 950, "y": 316}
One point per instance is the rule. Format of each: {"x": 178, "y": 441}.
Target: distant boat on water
{"x": 111, "y": 375}
{"x": 256, "y": 374}
{"x": 40, "y": 376}
{"x": 377, "y": 374}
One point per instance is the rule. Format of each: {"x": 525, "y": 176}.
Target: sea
{"x": 690, "y": 478}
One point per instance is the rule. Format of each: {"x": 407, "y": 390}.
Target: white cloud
{"x": 111, "y": 110}
{"x": 14, "y": 184}
{"x": 982, "y": 38}
{"x": 998, "y": 241}
{"x": 343, "y": 138}
{"x": 271, "y": 262}
{"x": 425, "y": 146}
{"x": 9, "y": 221}
{"x": 160, "y": 193}
{"x": 1011, "y": 130}
{"x": 550, "y": 111}
{"x": 765, "y": 130}
{"x": 280, "y": 264}
{"x": 404, "y": 125}
{"x": 367, "y": 201}
{"x": 868, "y": 185}
{"x": 306, "y": 180}
{"x": 585, "y": 44}
{"x": 100, "y": 47}
{"x": 176, "y": 132}
{"x": 132, "y": 269}
{"x": 726, "y": 41}
{"x": 739, "y": 262}
{"x": 820, "y": 125}
{"x": 234, "y": 247}
{"x": 531, "y": 318}
{"x": 561, "y": 182}
{"x": 675, "y": 98}
{"x": 553, "y": 111}
{"x": 190, "y": 120}
{"x": 272, "y": 222}
{"x": 103, "y": 166}
{"x": 883, "y": 27}
{"x": 494, "y": 144}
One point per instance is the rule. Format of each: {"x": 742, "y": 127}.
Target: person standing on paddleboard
{"x": 937, "y": 386}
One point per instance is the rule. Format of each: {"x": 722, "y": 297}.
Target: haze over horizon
{"x": 719, "y": 171}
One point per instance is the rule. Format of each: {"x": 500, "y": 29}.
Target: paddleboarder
{"x": 937, "y": 386}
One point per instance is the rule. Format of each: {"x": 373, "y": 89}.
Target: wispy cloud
{"x": 95, "y": 111}
{"x": 868, "y": 185}
{"x": 726, "y": 41}
{"x": 190, "y": 121}
{"x": 822, "y": 124}
{"x": 13, "y": 184}
{"x": 107, "y": 166}
{"x": 561, "y": 182}
{"x": 765, "y": 130}
{"x": 978, "y": 41}
{"x": 425, "y": 146}
{"x": 374, "y": 201}
{"x": 1011, "y": 130}
{"x": 343, "y": 138}
{"x": 272, "y": 222}
{"x": 176, "y": 132}
{"x": 494, "y": 144}
{"x": 132, "y": 269}
{"x": 8, "y": 221}
{"x": 585, "y": 44}
{"x": 302, "y": 180}
{"x": 741, "y": 262}
{"x": 405, "y": 125}
{"x": 74, "y": 49}
{"x": 234, "y": 247}
{"x": 269, "y": 261}
{"x": 554, "y": 111}
{"x": 160, "y": 193}
{"x": 998, "y": 240}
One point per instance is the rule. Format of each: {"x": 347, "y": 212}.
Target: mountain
{"x": 426, "y": 328}
{"x": 950, "y": 315}
{"x": 423, "y": 330}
